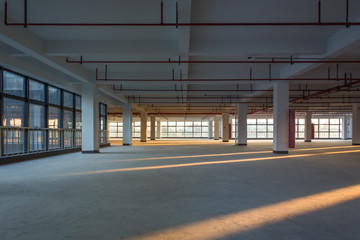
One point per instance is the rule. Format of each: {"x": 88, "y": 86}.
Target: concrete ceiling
{"x": 49, "y": 46}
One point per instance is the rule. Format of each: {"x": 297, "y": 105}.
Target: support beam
{"x": 211, "y": 124}
{"x": 345, "y": 128}
{"x": 356, "y": 124}
{"x": 225, "y": 128}
{"x": 281, "y": 117}
{"x": 143, "y": 119}
{"x": 242, "y": 125}
{"x": 158, "y": 129}
{"x": 90, "y": 119}
{"x": 308, "y": 128}
{"x": 216, "y": 128}
{"x": 127, "y": 124}
{"x": 152, "y": 127}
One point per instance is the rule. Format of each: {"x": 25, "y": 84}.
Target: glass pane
{"x": 171, "y": 129}
{"x": 68, "y": 100}
{"x": 334, "y": 128}
{"x": 314, "y": 121}
{"x": 261, "y": 121}
{"x": 78, "y": 120}
{"x": 197, "y": 130}
{"x": 180, "y": 129}
{"x": 301, "y": 128}
{"x": 13, "y": 113}
{"x": 261, "y": 128}
{"x": 270, "y": 128}
{"x": 251, "y": 134}
{"x": 68, "y": 119}
{"x": 270, "y": 121}
{"x": 251, "y": 128}
{"x": 102, "y": 109}
{"x": 261, "y": 135}
{"x": 323, "y": 128}
{"x": 206, "y": 123}
{"x": 197, "y": 123}
{"x": 36, "y": 116}
{"x": 334, "y": 135}
{"x": 188, "y": 129}
{"x": 163, "y": 124}
{"x": 324, "y": 121}
{"x": 172, "y": 124}
{"x": 36, "y": 91}
{"x": 205, "y": 129}
{"x": 251, "y": 121}
{"x": 323, "y": 135}
{"x": 54, "y": 117}
{"x": 334, "y": 121}
{"x": 78, "y": 102}
{"x": 54, "y": 95}
{"x": 180, "y": 124}
{"x": 301, "y": 121}
{"x": 188, "y": 123}
{"x": 188, "y": 134}
{"x": 13, "y": 84}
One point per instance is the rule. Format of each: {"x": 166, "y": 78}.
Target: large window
{"x": 327, "y": 127}
{"x": 259, "y": 128}
{"x": 54, "y": 96}
{"x": 36, "y": 116}
{"x": 13, "y": 84}
{"x": 187, "y": 129}
{"x": 36, "y": 91}
{"x": 13, "y": 114}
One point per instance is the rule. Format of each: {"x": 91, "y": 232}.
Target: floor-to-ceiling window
{"x": 36, "y": 117}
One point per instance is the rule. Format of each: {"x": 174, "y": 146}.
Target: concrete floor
{"x": 149, "y": 191}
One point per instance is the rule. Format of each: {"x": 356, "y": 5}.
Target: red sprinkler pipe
{"x": 273, "y": 61}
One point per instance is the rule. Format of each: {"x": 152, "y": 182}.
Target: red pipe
{"x": 215, "y": 61}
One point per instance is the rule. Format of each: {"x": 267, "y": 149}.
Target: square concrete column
{"x": 216, "y": 128}
{"x": 211, "y": 134}
{"x": 152, "y": 127}
{"x": 225, "y": 129}
{"x": 308, "y": 131}
{"x": 127, "y": 124}
{"x": 345, "y": 128}
{"x": 242, "y": 125}
{"x": 356, "y": 124}
{"x": 281, "y": 117}
{"x": 143, "y": 119}
{"x": 158, "y": 129}
{"x": 90, "y": 119}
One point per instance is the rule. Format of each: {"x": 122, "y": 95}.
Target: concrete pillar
{"x": 356, "y": 124}
{"x": 242, "y": 125}
{"x": 216, "y": 128}
{"x": 345, "y": 128}
{"x": 158, "y": 129}
{"x": 127, "y": 124}
{"x": 211, "y": 134}
{"x": 90, "y": 119}
{"x": 281, "y": 117}
{"x": 225, "y": 128}
{"x": 143, "y": 119}
{"x": 307, "y": 133}
{"x": 152, "y": 127}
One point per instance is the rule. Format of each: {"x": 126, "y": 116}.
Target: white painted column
{"x": 281, "y": 117}
{"x": 152, "y": 127}
{"x": 216, "y": 128}
{"x": 158, "y": 129}
{"x": 143, "y": 119}
{"x": 225, "y": 128}
{"x": 127, "y": 124}
{"x": 345, "y": 128}
{"x": 211, "y": 134}
{"x": 90, "y": 119}
{"x": 307, "y": 133}
{"x": 356, "y": 124}
{"x": 242, "y": 124}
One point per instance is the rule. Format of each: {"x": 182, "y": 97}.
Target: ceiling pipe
{"x": 330, "y": 90}
{"x": 272, "y": 61}
{"x": 177, "y": 24}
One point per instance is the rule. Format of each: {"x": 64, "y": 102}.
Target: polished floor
{"x": 186, "y": 190}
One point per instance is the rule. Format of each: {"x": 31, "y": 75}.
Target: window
{"x": 36, "y": 91}
{"x": 13, "y": 113}
{"x": 54, "y": 117}
{"x": 77, "y": 102}
{"x": 54, "y": 95}
{"x": 68, "y": 100}
{"x": 78, "y": 120}
{"x": 13, "y": 84}
{"x": 68, "y": 119}
{"x": 36, "y": 116}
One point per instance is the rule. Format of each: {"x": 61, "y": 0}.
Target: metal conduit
{"x": 177, "y": 24}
